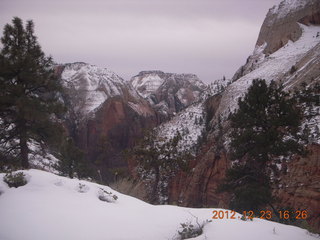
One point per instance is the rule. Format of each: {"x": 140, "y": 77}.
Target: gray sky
{"x": 210, "y": 38}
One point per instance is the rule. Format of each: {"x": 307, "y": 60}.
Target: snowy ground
{"x": 51, "y": 207}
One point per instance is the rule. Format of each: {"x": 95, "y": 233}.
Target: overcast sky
{"x": 210, "y": 38}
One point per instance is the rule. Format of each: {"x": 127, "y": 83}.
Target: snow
{"x": 92, "y": 85}
{"x": 149, "y": 83}
{"x": 272, "y": 67}
{"x": 189, "y": 122}
{"x": 181, "y": 94}
{"x": 52, "y": 207}
{"x": 286, "y": 7}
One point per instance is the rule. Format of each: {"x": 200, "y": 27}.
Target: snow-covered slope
{"x": 189, "y": 123}
{"x": 274, "y": 67}
{"x": 52, "y": 207}
{"x": 89, "y": 86}
{"x": 148, "y": 84}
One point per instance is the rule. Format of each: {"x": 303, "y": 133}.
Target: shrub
{"x": 82, "y": 188}
{"x": 15, "y": 179}
{"x": 190, "y": 231}
{"x": 107, "y": 196}
{"x": 245, "y": 218}
{"x": 293, "y": 69}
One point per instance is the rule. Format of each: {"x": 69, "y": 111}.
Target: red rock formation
{"x": 198, "y": 188}
{"x": 299, "y": 188}
{"x": 115, "y": 127}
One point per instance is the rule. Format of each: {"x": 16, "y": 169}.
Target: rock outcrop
{"x": 168, "y": 93}
{"x": 199, "y": 187}
{"x": 282, "y": 23}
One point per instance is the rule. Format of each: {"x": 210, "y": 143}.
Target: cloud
{"x": 206, "y": 37}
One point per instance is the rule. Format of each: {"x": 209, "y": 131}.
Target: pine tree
{"x": 264, "y": 127}
{"x": 72, "y": 161}
{"x": 160, "y": 160}
{"x": 28, "y": 96}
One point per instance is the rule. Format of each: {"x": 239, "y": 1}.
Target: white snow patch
{"x": 94, "y": 85}
{"x": 52, "y": 207}
{"x": 148, "y": 84}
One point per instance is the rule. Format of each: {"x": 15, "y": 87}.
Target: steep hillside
{"x": 53, "y": 207}
{"x": 169, "y": 93}
{"x": 294, "y": 61}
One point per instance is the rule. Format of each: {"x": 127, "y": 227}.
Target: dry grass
{"x": 130, "y": 187}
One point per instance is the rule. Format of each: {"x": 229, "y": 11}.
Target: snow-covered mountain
{"x": 89, "y": 86}
{"x": 52, "y": 207}
{"x": 169, "y": 93}
{"x": 103, "y": 111}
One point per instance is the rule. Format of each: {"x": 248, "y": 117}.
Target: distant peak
{"x": 150, "y": 72}
{"x": 77, "y": 63}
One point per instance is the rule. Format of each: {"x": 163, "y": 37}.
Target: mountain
{"x": 89, "y": 86}
{"x": 169, "y": 93}
{"x": 288, "y": 52}
{"x": 53, "y": 207}
{"x": 105, "y": 114}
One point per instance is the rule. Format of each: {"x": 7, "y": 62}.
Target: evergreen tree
{"x": 28, "y": 96}
{"x": 72, "y": 161}
{"x": 264, "y": 127}
{"x": 160, "y": 160}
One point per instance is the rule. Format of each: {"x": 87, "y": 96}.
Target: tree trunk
{"x": 24, "y": 150}
{"x": 154, "y": 194}
{"x": 70, "y": 170}
{"x": 275, "y": 211}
